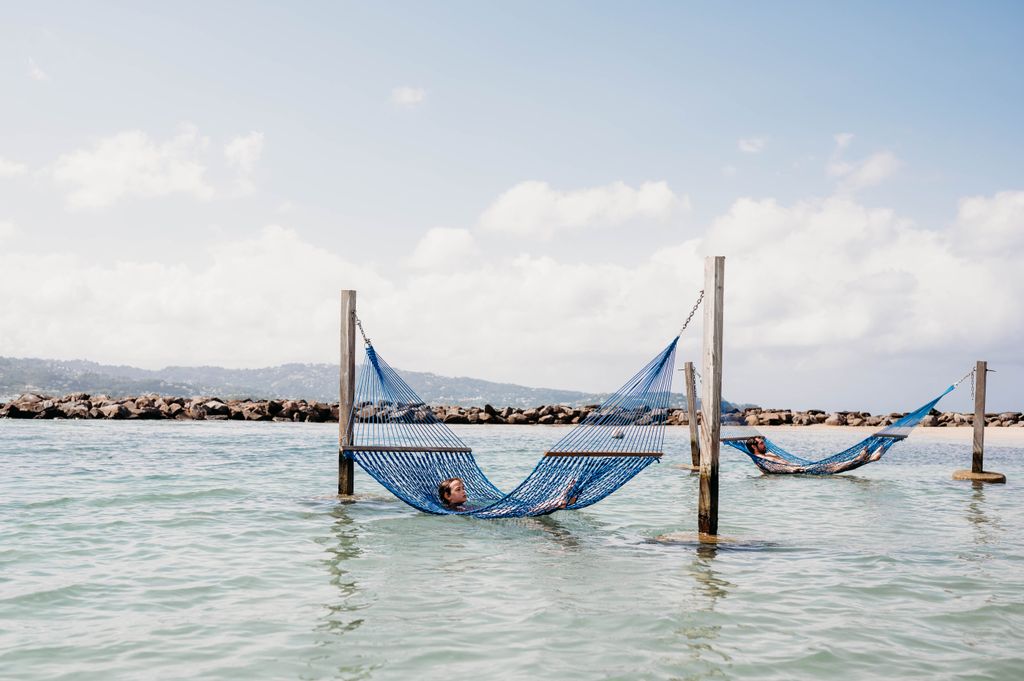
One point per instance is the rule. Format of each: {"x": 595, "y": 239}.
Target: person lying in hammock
{"x": 452, "y": 493}
{"x": 759, "y": 448}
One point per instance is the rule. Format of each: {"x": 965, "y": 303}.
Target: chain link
{"x": 692, "y": 312}
{"x": 359, "y": 325}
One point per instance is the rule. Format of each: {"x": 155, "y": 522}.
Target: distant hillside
{"x": 296, "y": 381}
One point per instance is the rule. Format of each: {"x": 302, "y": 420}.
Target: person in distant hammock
{"x": 759, "y": 448}
{"x": 452, "y": 493}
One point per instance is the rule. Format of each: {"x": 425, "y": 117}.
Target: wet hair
{"x": 444, "y": 490}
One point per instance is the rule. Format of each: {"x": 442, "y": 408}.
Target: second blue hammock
{"x": 773, "y": 459}
{"x": 399, "y": 441}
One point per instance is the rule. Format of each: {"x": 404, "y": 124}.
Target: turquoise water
{"x": 216, "y": 551}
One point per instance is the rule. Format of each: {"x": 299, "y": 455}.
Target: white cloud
{"x": 408, "y": 96}
{"x": 443, "y": 247}
{"x": 856, "y": 175}
{"x": 12, "y": 168}
{"x": 820, "y": 295}
{"x": 133, "y": 165}
{"x": 991, "y": 224}
{"x": 751, "y": 145}
{"x": 157, "y": 313}
{"x": 7, "y": 229}
{"x": 243, "y": 154}
{"x": 535, "y": 209}
{"x": 843, "y": 139}
{"x": 36, "y": 73}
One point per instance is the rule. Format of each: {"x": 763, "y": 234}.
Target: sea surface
{"x": 218, "y": 551}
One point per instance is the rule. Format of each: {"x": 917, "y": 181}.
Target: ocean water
{"x": 218, "y": 551}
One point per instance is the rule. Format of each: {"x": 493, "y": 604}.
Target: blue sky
{"x": 521, "y": 192}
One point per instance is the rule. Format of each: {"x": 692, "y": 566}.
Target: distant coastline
{"x": 156, "y": 407}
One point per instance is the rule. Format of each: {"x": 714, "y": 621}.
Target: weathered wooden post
{"x": 978, "y": 472}
{"x": 691, "y": 414}
{"x": 346, "y": 390}
{"x": 711, "y": 395}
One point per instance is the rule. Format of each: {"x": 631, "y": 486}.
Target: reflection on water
{"x": 341, "y": 546}
{"x": 699, "y": 629}
{"x": 987, "y": 527}
{"x": 557, "y": 532}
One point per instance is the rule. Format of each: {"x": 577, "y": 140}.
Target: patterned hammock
{"x": 775, "y": 459}
{"x": 398, "y": 441}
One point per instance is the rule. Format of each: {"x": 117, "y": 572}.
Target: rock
{"x": 929, "y": 421}
{"x": 547, "y": 419}
{"x": 836, "y": 419}
{"x": 76, "y": 410}
{"x": 216, "y": 408}
{"x": 114, "y": 411}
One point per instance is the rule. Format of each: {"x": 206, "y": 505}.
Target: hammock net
{"x": 400, "y": 442}
{"x": 771, "y": 458}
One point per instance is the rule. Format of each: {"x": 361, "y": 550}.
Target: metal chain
{"x": 969, "y": 374}
{"x": 692, "y": 312}
{"x": 362, "y": 333}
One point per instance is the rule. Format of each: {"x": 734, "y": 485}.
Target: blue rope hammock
{"x": 771, "y": 458}
{"x": 399, "y": 442}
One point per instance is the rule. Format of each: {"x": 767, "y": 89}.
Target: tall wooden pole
{"x": 691, "y": 413}
{"x": 977, "y": 463}
{"x": 978, "y": 472}
{"x": 711, "y": 394}
{"x": 346, "y": 390}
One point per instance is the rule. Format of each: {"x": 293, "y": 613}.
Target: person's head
{"x": 757, "y": 445}
{"x": 452, "y": 492}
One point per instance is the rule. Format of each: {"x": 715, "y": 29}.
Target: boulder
{"x": 836, "y": 419}
{"x": 216, "y": 407}
{"x": 114, "y": 411}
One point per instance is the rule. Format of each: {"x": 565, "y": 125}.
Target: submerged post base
{"x": 692, "y": 538}
{"x": 984, "y": 476}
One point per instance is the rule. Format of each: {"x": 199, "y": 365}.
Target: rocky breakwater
{"x": 84, "y": 406}
{"x": 155, "y": 407}
{"x": 756, "y": 416}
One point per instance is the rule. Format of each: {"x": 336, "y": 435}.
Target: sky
{"x": 522, "y": 192}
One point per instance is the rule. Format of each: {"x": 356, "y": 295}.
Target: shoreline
{"x": 208, "y": 408}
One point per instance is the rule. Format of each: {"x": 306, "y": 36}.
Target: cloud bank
{"x": 824, "y": 284}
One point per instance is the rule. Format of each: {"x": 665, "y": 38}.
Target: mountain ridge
{"x": 285, "y": 381}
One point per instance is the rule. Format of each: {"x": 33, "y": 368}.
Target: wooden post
{"x": 978, "y": 472}
{"x": 691, "y": 413}
{"x": 979, "y": 417}
{"x": 346, "y": 390}
{"x": 711, "y": 394}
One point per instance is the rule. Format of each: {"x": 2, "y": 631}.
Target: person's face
{"x": 760, "y": 446}
{"x": 457, "y": 493}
